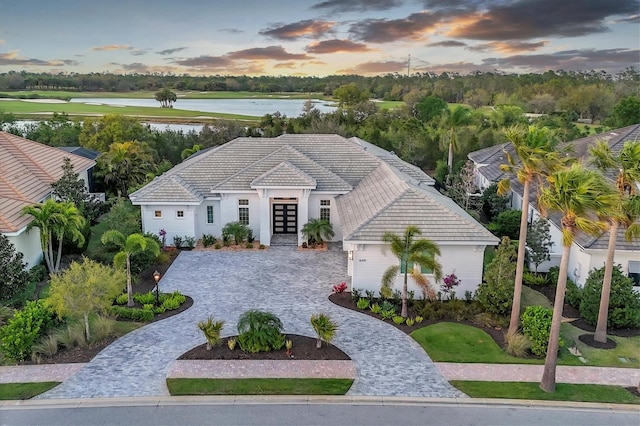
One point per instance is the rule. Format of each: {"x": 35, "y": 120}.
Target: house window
{"x": 243, "y": 212}
{"x": 634, "y": 272}
{"x": 209, "y": 214}
{"x": 325, "y": 212}
{"x": 424, "y": 269}
{"x": 157, "y": 214}
{"x": 180, "y": 213}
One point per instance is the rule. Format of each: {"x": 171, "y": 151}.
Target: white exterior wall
{"x": 169, "y": 221}
{"x": 579, "y": 265}
{"x": 229, "y": 210}
{"x": 314, "y": 212}
{"x": 369, "y": 263}
{"x": 201, "y": 225}
{"x": 28, "y": 243}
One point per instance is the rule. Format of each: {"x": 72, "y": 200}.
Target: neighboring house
{"x": 587, "y": 252}
{"x": 27, "y": 170}
{"x": 91, "y": 155}
{"x": 275, "y": 185}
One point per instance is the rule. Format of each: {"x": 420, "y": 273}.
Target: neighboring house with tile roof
{"x": 27, "y": 170}
{"x": 587, "y": 252}
{"x": 276, "y": 185}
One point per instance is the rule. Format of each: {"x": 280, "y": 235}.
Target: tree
{"x": 350, "y": 94}
{"x": 430, "y": 108}
{"x": 71, "y": 187}
{"x": 453, "y": 119}
{"x": 318, "y": 231}
{"x": 463, "y": 189}
{"x": 100, "y": 133}
{"x": 211, "y": 330}
{"x": 421, "y": 252}
{"x": 626, "y": 165}
{"x": 166, "y": 98}
{"x": 55, "y": 220}
{"x": 625, "y": 113}
{"x": 534, "y": 149}
{"x": 130, "y": 245}
{"x": 125, "y": 165}
{"x": 575, "y": 193}
{"x": 493, "y": 203}
{"x": 324, "y": 327}
{"x": 495, "y": 294}
{"x": 14, "y": 277}
{"x": 539, "y": 241}
{"x": 85, "y": 287}
{"x": 188, "y": 152}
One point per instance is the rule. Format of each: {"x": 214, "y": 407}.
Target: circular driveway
{"x": 291, "y": 283}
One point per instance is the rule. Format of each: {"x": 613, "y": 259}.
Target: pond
{"x": 255, "y": 107}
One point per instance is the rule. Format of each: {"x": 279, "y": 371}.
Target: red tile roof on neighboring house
{"x": 27, "y": 170}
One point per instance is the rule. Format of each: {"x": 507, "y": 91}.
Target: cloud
{"x": 140, "y": 68}
{"x": 204, "y": 62}
{"x": 413, "y": 27}
{"x": 526, "y": 19}
{"x": 307, "y": 28}
{"x": 461, "y": 67}
{"x": 508, "y": 46}
{"x": 140, "y": 52}
{"x": 111, "y": 47}
{"x": 633, "y": 19}
{"x": 171, "y": 51}
{"x": 276, "y": 53}
{"x": 610, "y": 60}
{"x": 375, "y": 67}
{"x": 289, "y": 65}
{"x": 335, "y": 46}
{"x": 448, "y": 43}
{"x": 356, "y": 5}
{"x": 12, "y": 58}
{"x": 230, "y": 30}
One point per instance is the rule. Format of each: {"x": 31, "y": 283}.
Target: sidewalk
{"x": 451, "y": 371}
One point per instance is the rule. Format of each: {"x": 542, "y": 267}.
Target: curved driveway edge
{"x": 291, "y": 283}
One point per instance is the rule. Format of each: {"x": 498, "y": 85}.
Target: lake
{"x": 255, "y": 107}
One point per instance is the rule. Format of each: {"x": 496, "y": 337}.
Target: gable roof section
{"x": 385, "y": 202}
{"x": 171, "y": 190}
{"x": 27, "y": 170}
{"x": 284, "y": 174}
{"x": 488, "y": 162}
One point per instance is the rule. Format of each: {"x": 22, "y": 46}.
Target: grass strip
{"x": 258, "y": 386}
{"x": 564, "y": 392}
{"x": 10, "y": 391}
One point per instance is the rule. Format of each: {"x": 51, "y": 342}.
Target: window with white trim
{"x": 243, "y": 212}
{"x": 209, "y": 214}
{"x": 157, "y": 214}
{"x": 180, "y": 214}
{"x": 325, "y": 210}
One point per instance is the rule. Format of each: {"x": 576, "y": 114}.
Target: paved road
{"x": 291, "y": 283}
{"x": 223, "y": 412}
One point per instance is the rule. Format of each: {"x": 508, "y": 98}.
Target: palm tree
{"x": 55, "y": 219}
{"x": 188, "y": 152}
{"x": 211, "y": 330}
{"x": 125, "y": 165}
{"x": 318, "y": 230}
{"x": 577, "y": 194}
{"x": 133, "y": 244}
{"x": 454, "y": 118}
{"x": 324, "y": 327}
{"x": 626, "y": 164}
{"x": 534, "y": 148}
{"x": 410, "y": 252}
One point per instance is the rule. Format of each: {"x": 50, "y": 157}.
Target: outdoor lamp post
{"x": 156, "y": 276}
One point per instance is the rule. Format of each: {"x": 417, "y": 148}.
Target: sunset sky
{"x": 307, "y": 37}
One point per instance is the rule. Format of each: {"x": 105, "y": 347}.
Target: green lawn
{"x": 628, "y": 348}
{"x": 24, "y": 390}
{"x": 531, "y": 297}
{"x": 564, "y": 392}
{"x": 258, "y": 386}
{"x": 390, "y": 104}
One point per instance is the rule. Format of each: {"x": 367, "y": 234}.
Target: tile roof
{"x": 284, "y": 174}
{"x": 488, "y": 162}
{"x": 27, "y": 170}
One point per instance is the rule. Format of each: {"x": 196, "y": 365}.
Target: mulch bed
{"x": 588, "y": 340}
{"x": 344, "y": 299}
{"x": 304, "y": 348}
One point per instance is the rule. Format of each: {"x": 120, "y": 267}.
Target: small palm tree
{"x": 324, "y": 327}
{"x": 211, "y": 330}
{"x": 318, "y": 231}
{"x": 577, "y": 194}
{"x": 133, "y": 244}
{"x": 238, "y": 230}
{"x": 410, "y": 252}
{"x": 626, "y": 164}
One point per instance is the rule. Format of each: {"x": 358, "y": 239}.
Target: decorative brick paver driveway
{"x": 291, "y": 283}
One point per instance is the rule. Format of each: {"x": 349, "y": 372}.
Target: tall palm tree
{"x": 453, "y": 119}
{"x": 577, "y": 194}
{"x": 626, "y": 165}
{"x": 55, "y": 219}
{"x": 133, "y": 244}
{"x": 534, "y": 149}
{"x": 410, "y": 252}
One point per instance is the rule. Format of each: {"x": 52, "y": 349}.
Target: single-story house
{"x": 587, "y": 252}
{"x": 27, "y": 170}
{"x": 276, "y": 185}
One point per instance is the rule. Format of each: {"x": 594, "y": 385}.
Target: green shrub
{"x": 217, "y": 246}
{"x": 388, "y": 314}
{"x": 38, "y": 273}
{"x": 388, "y": 306}
{"x": 362, "y": 303}
{"x": 496, "y": 293}
{"x": 506, "y": 224}
{"x": 211, "y": 330}
{"x": 419, "y": 319}
{"x": 208, "y": 240}
{"x": 144, "y": 298}
{"x": 14, "y": 277}
{"x": 517, "y": 344}
{"x": 101, "y": 328}
{"x": 573, "y": 294}
{"x": 324, "y": 327}
{"x": 249, "y": 246}
{"x": 123, "y": 299}
{"x": 398, "y": 319}
{"x": 148, "y": 306}
{"x": 410, "y": 322}
{"x": 536, "y": 325}
{"x": 624, "y": 303}
{"x": 237, "y": 230}
{"x": 189, "y": 242}
{"x": 46, "y": 346}
{"x": 71, "y": 336}
{"x": 262, "y": 247}
{"x": 260, "y": 331}
{"x": 177, "y": 241}
{"x": 375, "y": 308}
{"x": 529, "y": 278}
{"x": 23, "y": 330}
{"x": 135, "y": 314}
{"x": 176, "y": 295}
{"x": 170, "y": 304}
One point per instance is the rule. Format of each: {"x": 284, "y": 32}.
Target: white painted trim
{"x": 173, "y": 203}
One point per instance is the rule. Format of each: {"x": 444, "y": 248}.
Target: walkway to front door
{"x": 285, "y": 218}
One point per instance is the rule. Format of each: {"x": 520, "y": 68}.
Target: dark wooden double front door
{"x": 285, "y": 218}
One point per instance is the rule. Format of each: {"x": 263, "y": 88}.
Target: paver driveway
{"x": 293, "y": 284}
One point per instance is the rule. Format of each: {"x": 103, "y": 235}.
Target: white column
{"x": 303, "y": 213}
{"x": 265, "y": 217}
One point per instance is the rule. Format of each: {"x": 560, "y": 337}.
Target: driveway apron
{"x": 291, "y": 283}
